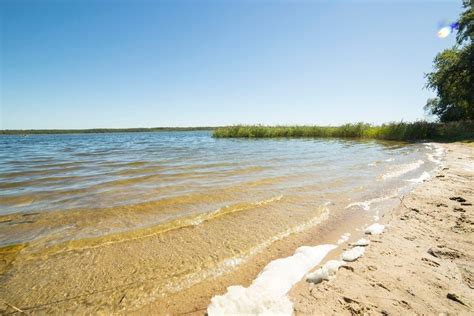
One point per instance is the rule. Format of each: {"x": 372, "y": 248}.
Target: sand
{"x": 423, "y": 262}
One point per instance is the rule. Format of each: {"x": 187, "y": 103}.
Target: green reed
{"x": 391, "y": 131}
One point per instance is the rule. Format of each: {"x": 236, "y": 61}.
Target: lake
{"x": 182, "y": 206}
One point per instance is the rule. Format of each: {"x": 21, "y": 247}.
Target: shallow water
{"x": 133, "y": 180}
{"x": 198, "y": 205}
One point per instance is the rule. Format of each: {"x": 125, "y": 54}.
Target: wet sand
{"x": 423, "y": 263}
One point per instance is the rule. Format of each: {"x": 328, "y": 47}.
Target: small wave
{"x": 230, "y": 263}
{"x": 365, "y": 205}
{"x": 375, "y": 163}
{"x": 437, "y": 155}
{"x": 432, "y": 158}
{"x": 35, "y": 173}
{"x": 231, "y": 209}
{"x": 191, "y": 220}
{"x": 425, "y": 176}
{"x": 290, "y": 231}
{"x": 402, "y": 169}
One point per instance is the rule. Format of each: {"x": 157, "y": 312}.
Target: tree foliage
{"x": 453, "y": 75}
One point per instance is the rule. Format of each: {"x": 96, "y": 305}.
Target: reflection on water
{"x": 154, "y": 213}
{"x": 133, "y": 180}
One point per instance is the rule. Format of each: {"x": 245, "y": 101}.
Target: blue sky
{"x": 85, "y": 64}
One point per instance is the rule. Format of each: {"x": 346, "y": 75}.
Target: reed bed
{"x": 461, "y": 130}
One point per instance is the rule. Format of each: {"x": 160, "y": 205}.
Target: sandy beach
{"x": 237, "y": 158}
{"x": 423, "y": 263}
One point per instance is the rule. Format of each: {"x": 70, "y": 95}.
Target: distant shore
{"x": 102, "y": 130}
{"x": 422, "y": 264}
{"x": 400, "y": 131}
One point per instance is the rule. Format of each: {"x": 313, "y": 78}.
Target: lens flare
{"x": 444, "y": 32}
{"x": 446, "y": 29}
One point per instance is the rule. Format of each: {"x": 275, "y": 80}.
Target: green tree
{"x": 453, "y": 75}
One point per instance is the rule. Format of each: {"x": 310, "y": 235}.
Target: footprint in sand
{"x": 444, "y": 253}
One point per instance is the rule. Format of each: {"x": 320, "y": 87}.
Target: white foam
{"x": 402, "y": 169}
{"x": 343, "y": 238}
{"x": 326, "y": 272}
{"x": 267, "y": 293}
{"x": 233, "y": 262}
{"x": 353, "y": 254}
{"x": 438, "y": 152}
{"x": 375, "y": 229}
{"x": 365, "y": 205}
{"x": 432, "y": 158}
{"x": 361, "y": 242}
{"x": 424, "y": 176}
{"x": 390, "y": 159}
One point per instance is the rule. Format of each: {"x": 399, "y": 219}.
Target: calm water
{"x": 153, "y": 178}
{"x": 91, "y": 217}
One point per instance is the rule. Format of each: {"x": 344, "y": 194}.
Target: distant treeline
{"x": 102, "y": 130}
{"x": 392, "y": 131}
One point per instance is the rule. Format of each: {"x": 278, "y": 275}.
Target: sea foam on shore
{"x": 267, "y": 293}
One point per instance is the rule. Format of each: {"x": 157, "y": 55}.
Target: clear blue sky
{"x": 84, "y": 64}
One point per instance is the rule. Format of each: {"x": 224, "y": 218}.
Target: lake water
{"x": 207, "y": 203}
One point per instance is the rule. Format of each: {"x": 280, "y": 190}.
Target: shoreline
{"x": 423, "y": 263}
{"x": 146, "y": 298}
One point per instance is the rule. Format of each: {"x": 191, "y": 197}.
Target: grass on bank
{"x": 462, "y": 130}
